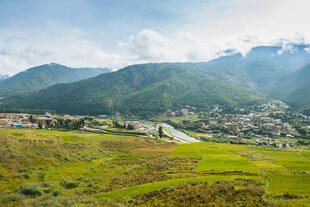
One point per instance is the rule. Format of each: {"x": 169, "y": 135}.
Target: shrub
{"x": 26, "y": 176}
{"x": 41, "y": 176}
{"x": 56, "y": 193}
{"x": 30, "y": 190}
{"x": 290, "y": 196}
{"x": 68, "y": 184}
{"x": 1, "y": 175}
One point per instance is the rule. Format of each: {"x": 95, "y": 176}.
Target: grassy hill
{"x": 294, "y": 89}
{"x": 53, "y": 168}
{"x": 144, "y": 90}
{"x": 44, "y": 76}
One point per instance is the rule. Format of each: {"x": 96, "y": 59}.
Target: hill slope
{"x": 139, "y": 89}
{"x": 44, "y": 76}
{"x": 294, "y": 89}
{"x": 260, "y": 67}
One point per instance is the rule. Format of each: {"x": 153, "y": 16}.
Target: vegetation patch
{"x": 68, "y": 184}
{"x": 30, "y": 190}
{"x": 232, "y": 193}
{"x": 149, "y": 187}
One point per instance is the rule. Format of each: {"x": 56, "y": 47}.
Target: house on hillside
{"x": 232, "y": 126}
{"x": 185, "y": 112}
{"x": 269, "y": 126}
{"x": 276, "y": 132}
{"x": 202, "y": 124}
{"x": 43, "y": 120}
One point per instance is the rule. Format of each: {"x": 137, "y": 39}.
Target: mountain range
{"x": 43, "y": 76}
{"x": 262, "y": 66}
{"x": 144, "y": 90}
{"x": 294, "y": 89}
{"x": 265, "y": 73}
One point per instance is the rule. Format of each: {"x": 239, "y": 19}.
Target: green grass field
{"x": 75, "y": 168}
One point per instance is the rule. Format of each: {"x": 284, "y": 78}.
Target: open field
{"x": 54, "y": 168}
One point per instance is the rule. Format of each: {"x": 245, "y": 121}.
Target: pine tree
{"x": 160, "y": 131}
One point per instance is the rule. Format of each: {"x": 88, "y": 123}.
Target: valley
{"x": 168, "y": 103}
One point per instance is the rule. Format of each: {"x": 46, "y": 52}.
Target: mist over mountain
{"x": 260, "y": 67}
{"x": 43, "y": 76}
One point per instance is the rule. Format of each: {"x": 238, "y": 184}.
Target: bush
{"x": 26, "y": 176}
{"x": 1, "y": 175}
{"x": 68, "y": 184}
{"x": 56, "y": 193}
{"x": 30, "y": 190}
{"x": 41, "y": 176}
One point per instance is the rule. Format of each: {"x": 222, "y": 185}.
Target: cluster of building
{"x": 237, "y": 126}
{"x": 143, "y": 126}
{"x": 249, "y": 123}
{"x": 8, "y": 120}
{"x": 304, "y": 116}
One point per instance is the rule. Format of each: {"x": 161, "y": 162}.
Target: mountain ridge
{"x": 43, "y": 76}
{"x": 143, "y": 89}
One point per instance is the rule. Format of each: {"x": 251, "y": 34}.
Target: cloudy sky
{"x": 116, "y": 33}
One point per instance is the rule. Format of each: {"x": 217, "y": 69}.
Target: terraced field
{"x": 53, "y": 168}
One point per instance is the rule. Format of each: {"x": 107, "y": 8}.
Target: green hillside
{"x": 44, "y": 76}
{"x": 144, "y": 90}
{"x": 294, "y": 89}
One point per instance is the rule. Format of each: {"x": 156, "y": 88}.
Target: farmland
{"x": 75, "y": 168}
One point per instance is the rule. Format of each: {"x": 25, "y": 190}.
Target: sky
{"x": 117, "y": 33}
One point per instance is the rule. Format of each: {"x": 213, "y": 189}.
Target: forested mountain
{"x": 144, "y": 90}
{"x": 44, "y": 76}
{"x": 153, "y": 88}
{"x": 260, "y": 67}
{"x": 294, "y": 89}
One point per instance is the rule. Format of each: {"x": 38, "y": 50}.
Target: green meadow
{"x": 75, "y": 168}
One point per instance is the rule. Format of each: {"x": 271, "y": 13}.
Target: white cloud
{"x": 147, "y": 45}
{"x": 238, "y": 25}
{"x": 151, "y": 46}
{"x": 287, "y": 48}
{"x": 21, "y": 50}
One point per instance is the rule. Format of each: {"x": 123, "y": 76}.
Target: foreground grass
{"x": 62, "y": 164}
{"x": 54, "y": 168}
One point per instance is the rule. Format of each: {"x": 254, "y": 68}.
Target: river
{"x": 179, "y": 134}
